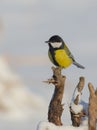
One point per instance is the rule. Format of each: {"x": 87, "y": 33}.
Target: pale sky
{"x": 25, "y": 25}
{"x": 28, "y": 23}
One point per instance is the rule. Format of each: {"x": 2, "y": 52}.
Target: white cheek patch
{"x": 56, "y": 44}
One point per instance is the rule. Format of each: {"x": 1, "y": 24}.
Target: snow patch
{"x": 51, "y": 126}
{"x": 76, "y": 108}
{"x": 16, "y": 101}
{"x": 75, "y": 94}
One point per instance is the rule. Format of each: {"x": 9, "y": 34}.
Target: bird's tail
{"x": 78, "y": 65}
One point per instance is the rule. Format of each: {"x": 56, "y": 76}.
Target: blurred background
{"x": 24, "y": 62}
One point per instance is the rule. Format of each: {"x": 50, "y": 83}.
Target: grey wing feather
{"x": 68, "y": 52}
{"x": 78, "y": 65}
{"x": 72, "y": 57}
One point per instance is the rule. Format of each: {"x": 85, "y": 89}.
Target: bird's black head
{"x": 55, "y": 41}
{"x": 55, "y": 38}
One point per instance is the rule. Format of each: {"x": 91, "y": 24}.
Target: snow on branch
{"x": 51, "y": 126}
{"x": 76, "y": 108}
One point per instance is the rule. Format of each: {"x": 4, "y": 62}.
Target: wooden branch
{"x": 81, "y": 84}
{"x": 76, "y": 109}
{"x": 92, "y": 107}
{"x": 56, "y": 106}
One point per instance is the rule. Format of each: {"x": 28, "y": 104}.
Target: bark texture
{"x": 92, "y": 108}
{"x": 76, "y": 116}
{"x": 56, "y": 106}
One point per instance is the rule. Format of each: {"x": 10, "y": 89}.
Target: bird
{"x": 59, "y": 54}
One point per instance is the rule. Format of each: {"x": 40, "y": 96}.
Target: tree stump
{"x": 56, "y": 106}
{"x": 76, "y": 109}
{"x": 92, "y": 108}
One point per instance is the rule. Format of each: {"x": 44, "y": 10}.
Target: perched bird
{"x": 59, "y": 53}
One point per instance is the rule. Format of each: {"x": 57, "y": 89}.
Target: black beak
{"x": 46, "y": 41}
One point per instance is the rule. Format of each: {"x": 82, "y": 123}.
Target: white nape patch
{"x": 56, "y": 44}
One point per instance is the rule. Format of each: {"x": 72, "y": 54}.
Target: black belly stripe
{"x": 53, "y": 57}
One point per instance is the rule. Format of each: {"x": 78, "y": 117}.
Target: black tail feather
{"x": 78, "y": 65}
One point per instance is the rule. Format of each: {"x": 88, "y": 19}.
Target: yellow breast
{"x": 62, "y": 58}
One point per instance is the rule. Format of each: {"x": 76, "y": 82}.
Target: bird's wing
{"x": 68, "y": 52}
{"x": 72, "y": 57}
